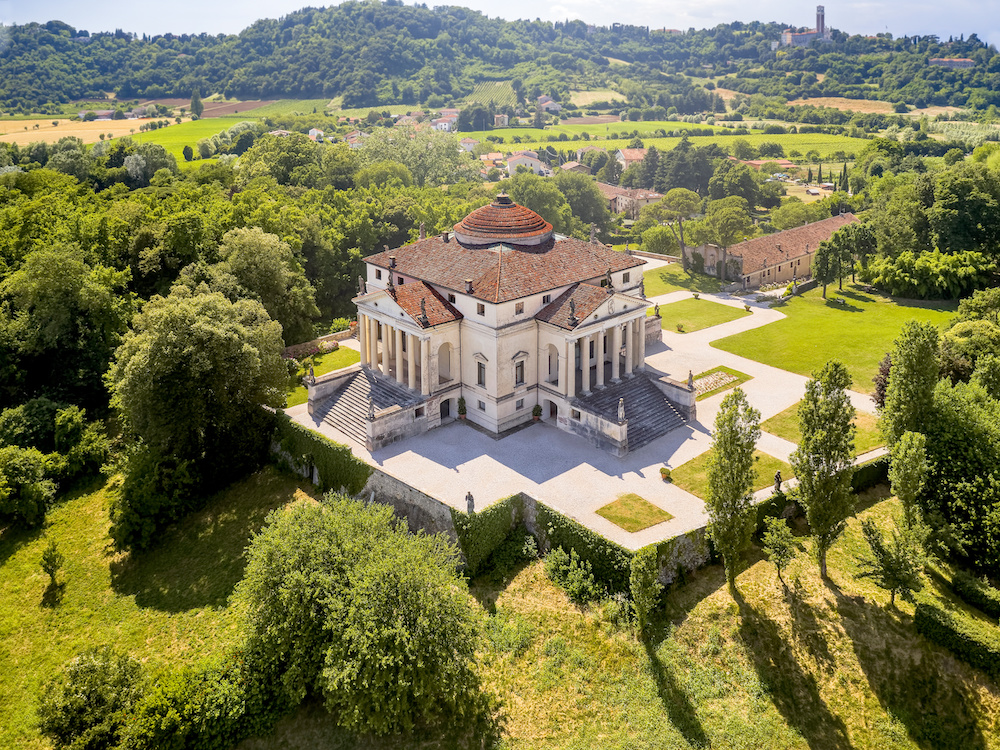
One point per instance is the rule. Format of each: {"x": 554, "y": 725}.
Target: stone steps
{"x": 347, "y": 409}
{"x": 650, "y": 415}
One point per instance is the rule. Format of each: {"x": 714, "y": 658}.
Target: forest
{"x": 372, "y": 53}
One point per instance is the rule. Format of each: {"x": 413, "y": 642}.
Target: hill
{"x": 370, "y": 53}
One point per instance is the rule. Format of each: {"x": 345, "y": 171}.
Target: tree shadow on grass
{"x": 680, "y": 710}
{"x": 793, "y": 691}
{"x": 806, "y": 627}
{"x": 928, "y": 700}
{"x": 53, "y": 595}
{"x": 199, "y": 561}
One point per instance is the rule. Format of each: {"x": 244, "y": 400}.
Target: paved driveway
{"x": 566, "y": 472}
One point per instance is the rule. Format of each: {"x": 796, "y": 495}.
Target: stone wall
{"x": 420, "y": 511}
{"x": 679, "y": 395}
{"x": 654, "y": 329}
{"x": 326, "y": 385}
{"x": 601, "y": 433}
{"x": 686, "y": 553}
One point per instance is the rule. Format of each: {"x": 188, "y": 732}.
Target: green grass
{"x": 741, "y": 377}
{"x": 817, "y": 330}
{"x": 786, "y": 425}
{"x": 689, "y": 315}
{"x": 167, "y": 607}
{"x": 693, "y": 476}
{"x": 322, "y": 364}
{"x": 282, "y": 108}
{"x": 500, "y": 93}
{"x": 674, "y": 278}
{"x": 633, "y": 513}
{"x": 175, "y": 137}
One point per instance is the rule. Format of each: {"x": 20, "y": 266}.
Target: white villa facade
{"x": 508, "y": 315}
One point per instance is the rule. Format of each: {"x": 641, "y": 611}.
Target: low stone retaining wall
{"x": 679, "y": 395}
{"x": 654, "y": 329}
{"x": 655, "y": 256}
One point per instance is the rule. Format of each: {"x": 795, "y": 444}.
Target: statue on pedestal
{"x": 621, "y": 411}
{"x": 690, "y": 380}
{"x": 470, "y": 503}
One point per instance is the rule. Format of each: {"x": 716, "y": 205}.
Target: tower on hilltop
{"x": 820, "y": 20}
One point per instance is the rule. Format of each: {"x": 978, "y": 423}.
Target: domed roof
{"x": 503, "y": 221}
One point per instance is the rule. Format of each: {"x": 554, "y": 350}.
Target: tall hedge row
{"x": 610, "y": 562}
{"x": 867, "y": 475}
{"x": 971, "y": 641}
{"x": 481, "y": 533}
{"x": 336, "y": 466}
{"x": 977, "y": 593}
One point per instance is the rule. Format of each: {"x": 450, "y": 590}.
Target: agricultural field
{"x": 279, "y": 108}
{"x": 23, "y": 132}
{"x": 176, "y": 137}
{"x": 500, "y": 93}
{"x": 857, "y": 333}
{"x": 335, "y": 109}
{"x": 586, "y": 98}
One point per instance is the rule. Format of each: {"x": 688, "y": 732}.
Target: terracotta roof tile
{"x": 409, "y": 296}
{"x": 793, "y": 243}
{"x": 503, "y": 272}
{"x": 585, "y": 297}
{"x": 633, "y": 154}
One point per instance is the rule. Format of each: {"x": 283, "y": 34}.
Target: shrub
{"x": 480, "y": 534}
{"x": 509, "y": 633}
{"x": 573, "y": 575}
{"x": 25, "y": 489}
{"x": 611, "y": 563}
{"x": 977, "y": 593}
{"x": 970, "y": 641}
{"x": 86, "y": 705}
{"x": 52, "y": 561}
{"x": 645, "y": 583}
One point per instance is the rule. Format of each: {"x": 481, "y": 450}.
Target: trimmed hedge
{"x": 480, "y": 534}
{"x": 869, "y": 474}
{"x": 610, "y": 562}
{"x": 335, "y": 464}
{"x": 977, "y": 593}
{"x": 970, "y": 641}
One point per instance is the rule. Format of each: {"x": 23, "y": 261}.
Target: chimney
{"x": 392, "y": 261}
{"x": 444, "y": 236}
{"x": 468, "y": 286}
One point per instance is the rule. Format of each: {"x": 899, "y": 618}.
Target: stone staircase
{"x": 347, "y": 409}
{"x": 650, "y": 415}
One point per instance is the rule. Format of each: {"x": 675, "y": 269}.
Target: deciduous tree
{"x": 824, "y": 459}
{"x": 895, "y": 563}
{"x": 914, "y": 374}
{"x": 730, "y": 479}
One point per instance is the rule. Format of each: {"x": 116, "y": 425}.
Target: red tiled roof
{"x": 633, "y": 154}
{"x": 503, "y": 272}
{"x": 585, "y": 297}
{"x": 611, "y": 191}
{"x": 409, "y": 296}
{"x": 502, "y": 221}
{"x": 793, "y": 243}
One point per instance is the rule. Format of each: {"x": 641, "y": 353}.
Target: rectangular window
{"x": 451, "y": 298}
{"x": 519, "y": 373}
{"x": 419, "y": 412}
{"x": 519, "y": 404}
{"x": 626, "y": 277}
{"x": 482, "y": 406}
{"x": 575, "y": 414}
{"x": 378, "y": 273}
{"x": 604, "y": 282}
{"x": 519, "y": 308}
{"x": 546, "y": 299}
{"x": 480, "y": 309}
{"x": 399, "y": 280}
{"x": 480, "y": 374}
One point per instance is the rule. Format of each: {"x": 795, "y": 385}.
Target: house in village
{"x": 467, "y": 144}
{"x": 772, "y": 259}
{"x": 575, "y": 166}
{"x": 501, "y": 121}
{"x": 527, "y": 159}
{"x": 506, "y": 317}
{"x": 625, "y": 200}
{"x": 548, "y": 104}
{"x": 629, "y": 156}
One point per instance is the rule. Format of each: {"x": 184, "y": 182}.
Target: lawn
{"x": 740, "y": 378}
{"x": 817, "y": 330}
{"x": 689, "y": 315}
{"x": 167, "y": 607}
{"x": 674, "y": 278}
{"x": 693, "y": 476}
{"x": 633, "y": 513}
{"x": 322, "y": 364}
{"x": 786, "y": 425}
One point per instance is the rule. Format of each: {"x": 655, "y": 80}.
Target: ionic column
{"x": 398, "y": 348}
{"x": 373, "y": 342}
{"x": 412, "y": 342}
{"x": 641, "y": 345}
{"x": 600, "y": 359}
{"x": 425, "y": 367}
{"x": 570, "y": 369}
{"x": 585, "y": 365}
{"x": 629, "y": 346}
{"x": 386, "y": 355}
{"x": 616, "y": 348}
{"x": 363, "y": 337}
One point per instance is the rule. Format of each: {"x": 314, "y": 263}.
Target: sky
{"x": 917, "y": 17}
